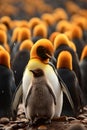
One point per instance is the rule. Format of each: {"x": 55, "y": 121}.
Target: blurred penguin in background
{"x": 7, "y": 84}
{"x": 65, "y": 70}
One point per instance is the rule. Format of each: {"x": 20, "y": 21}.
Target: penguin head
{"x": 42, "y": 49}
{"x": 76, "y": 32}
{"x": 33, "y": 22}
{"x": 48, "y": 18}
{"x": 64, "y": 60}
{"x": 6, "y": 20}
{"x": 63, "y": 26}
{"x": 59, "y": 14}
{"x": 26, "y": 44}
{"x": 79, "y": 21}
{"x": 24, "y": 33}
{"x": 59, "y": 40}
{"x": 72, "y": 7}
{"x": 4, "y": 57}
{"x": 37, "y": 72}
{"x": 40, "y": 30}
{"x": 3, "y": 27}
{"x": 84, "y": 53}
{"x": 15, "y": 33}
{"x": 52, "y": 36}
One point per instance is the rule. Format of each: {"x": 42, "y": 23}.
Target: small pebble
{"x": 71, "y": 118}
{"x": 14, "y": 126}
{"x": 1, "y": 125}
{"x": 84, "y": 121}
{"x": 4, "y": 120}
{"x": 9, "y": 128}
{"x": 42, "y": 127}
{"x": 81, "y": 117}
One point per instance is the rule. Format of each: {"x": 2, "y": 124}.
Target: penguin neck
{"x": 38, "y": 80}
{"x": 39, "y": 59}
{"x": 35, "y": 63}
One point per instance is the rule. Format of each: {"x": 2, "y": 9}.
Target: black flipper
{"x": 16, "y": 99}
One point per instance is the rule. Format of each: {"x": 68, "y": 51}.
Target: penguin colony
{"x": 43, "y": 62}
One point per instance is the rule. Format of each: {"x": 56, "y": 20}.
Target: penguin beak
{"x": 32, "y": 71}
{"x": 49, "y": 56}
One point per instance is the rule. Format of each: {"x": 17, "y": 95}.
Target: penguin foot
{"x": 39, "y": 121}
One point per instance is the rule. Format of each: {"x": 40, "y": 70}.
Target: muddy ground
{"x": 62, "y": 123}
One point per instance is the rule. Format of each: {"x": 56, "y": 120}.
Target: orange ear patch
{"x": 40, "y": 30}
{"x": 4, "y": 57}
{"x": 84, "y": 53}
{"x": 64, "y": 60}
{"x": 59, "y": 40}
{"x": 26, "y": 44}
{"x": 42, "y": 42}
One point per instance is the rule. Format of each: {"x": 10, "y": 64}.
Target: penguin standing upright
{"x": 39, "y": 59}
{"x": 65, "y": 70}
{"x": 40, "y": 99}
{"x": 21, "y": 59}
{"x": 7, "y": 84}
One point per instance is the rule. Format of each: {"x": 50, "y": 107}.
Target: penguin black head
{"x": 42, "y": 49}
{"x": 37, "y": 72}
{"x": 43, "y": 53}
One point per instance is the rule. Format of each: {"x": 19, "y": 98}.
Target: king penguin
{"x": 7, "y": 84}
{"x": 65, "y": 70}
{"x": 40, "y": 53}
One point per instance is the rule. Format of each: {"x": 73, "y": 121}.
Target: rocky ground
{"x": 62, "y": 123}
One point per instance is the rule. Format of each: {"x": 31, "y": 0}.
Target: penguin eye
{"x": 41, "y": 52}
